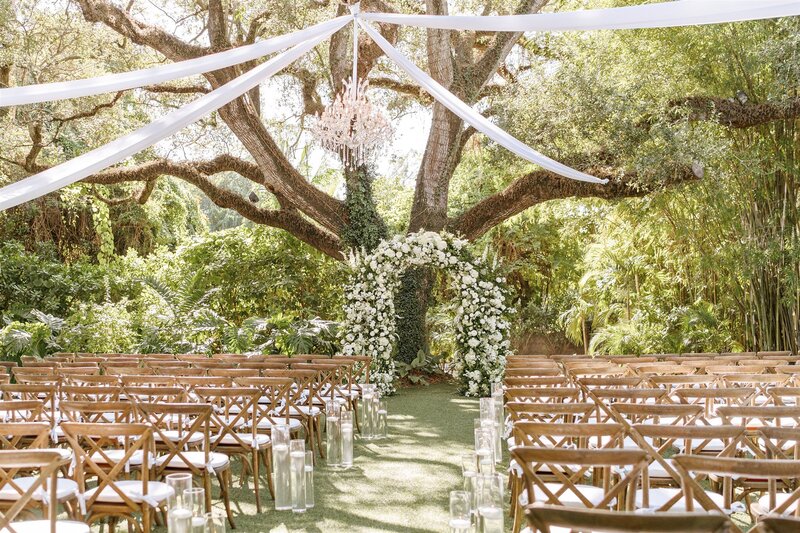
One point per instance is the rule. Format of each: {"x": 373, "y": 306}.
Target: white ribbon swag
{"x": 678, "y": 13}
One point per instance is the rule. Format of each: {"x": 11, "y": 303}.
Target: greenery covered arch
{"x": 481, "y": 324}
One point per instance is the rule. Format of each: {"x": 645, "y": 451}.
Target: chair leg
{"x": 207, "y": 490}
{"x": 225, "y": 478}
{"x": 146, "y": 525}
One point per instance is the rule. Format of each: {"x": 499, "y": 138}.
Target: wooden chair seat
{"x": 661, "y": 496}
{"x": 217, "y": 461}
{"x": 157, "y": 492}
{"x": 65, "y": 489}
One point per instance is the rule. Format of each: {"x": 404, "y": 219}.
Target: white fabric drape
{"x": 87, "y": 164}
{"x": 663, "y": 15}
{"x": 472, "y": 117}
{"x": 47, "y": 92}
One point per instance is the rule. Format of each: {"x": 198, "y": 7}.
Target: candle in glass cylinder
{"x": 309, "y": 479}
{"x": 297, "y": 454}
{"x": 347, "y": 438}
{"x": 281, "y": 467}
{"x": 333, "y": 430}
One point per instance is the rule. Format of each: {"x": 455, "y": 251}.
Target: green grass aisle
{"x": 401, "y": 484}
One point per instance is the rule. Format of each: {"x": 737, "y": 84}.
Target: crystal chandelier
{"x": 352, "y": 126}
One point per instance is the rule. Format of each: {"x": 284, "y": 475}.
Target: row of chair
{"x": 623, "y": 435}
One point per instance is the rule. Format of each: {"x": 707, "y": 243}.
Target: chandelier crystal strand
{"x": 351, "y": 126}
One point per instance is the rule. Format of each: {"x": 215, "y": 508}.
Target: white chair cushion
{"x": 713, "y": 445}
{"x": 174, "y": 435}
{"x": 304, "y": 410}
{"x": 156, "y": 491}
{"x": 64, "y": 488}
{"x": 117, "y": 455}
{"x": 780, "y": 499}
{"x": 264, "y": 423}
{"x": 217, "y": 461}
{"x": 259, "y": 442}
{"x": 38, "y": 526}
{"x": 65, "y": 453}
{"x": 661, "y": 496}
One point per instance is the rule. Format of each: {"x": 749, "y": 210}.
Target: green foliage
{"x": 99, "y": 328}
{"x": 365, "y": 228}
{"x": 102, "y": 226}
{"x": 35, "y": 338}
{"x": 420, "y": 369}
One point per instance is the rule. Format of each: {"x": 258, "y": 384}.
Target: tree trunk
{"x": 411, "y": 305}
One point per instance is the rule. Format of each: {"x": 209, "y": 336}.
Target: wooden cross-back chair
{"x": 155, "y": 393}
{"x": 754, "y": 417}
{"x": 542, "y": 394}
{"x": 547, "y": 381}
{"x": 92, "y": 380}
{"x": 36, "y": 436}
{"x": 712, "y": 398}
{"x": 665, "y": 414}
{"x": 85, "y": 393}
{"x": 528, "y": 372}
{"x": 64, "y": 373}
{"x": 46, "y": 393}
{"x": 662, "y": 480}
{"x": 551, "y": 413}
{"x": 777, "y": 524}
{"x": 19, "y": 495}
{"x": 24, "y": 411}
{"x": 179, "y": 373}
{"x": 181, "y": 435}
{"x": 165, "y": 365}
{"x": 789, "y": 396}
{"x": 147, "y": 381}
{"x": 130, "y": 371}
{"x": 728, "y": 470}
{"x": 660, "y": 369}
{"x": 116, "y": 495}
{"x": 543, "y": 518}
{"x": 301, "y": 405}
{"x": 558, "y": 436}
{"x": 36, "y": 375}
{"x": 531, "y": 363}
{"x": 694, "y": 381}
{"x": 119, "y": 412}
{"x": 621, "y": 470}
{"x": 792, "y": 373}
{"x": 611, "y": 382}
{"x": 234, "y": 433}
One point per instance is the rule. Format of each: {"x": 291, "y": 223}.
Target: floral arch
{"x": 481, "y": 324}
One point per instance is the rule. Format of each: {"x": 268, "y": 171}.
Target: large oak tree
{"x": 468, "y": 63}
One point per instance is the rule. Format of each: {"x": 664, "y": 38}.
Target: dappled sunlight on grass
{"x": 400, "y": 484}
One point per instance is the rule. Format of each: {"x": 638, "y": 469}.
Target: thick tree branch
{"x": 138, "y": 32}
{"x": 177, "y": 89}
{"x": 541, "y": 186}
{"x": 90, "y": 112}
{"x": 278, "y": 175}
{"x": 735, "y": 113}
{"x": 410, "y": 89}
{"x": 494, "y": 56}
{"x": 198, "y": 175}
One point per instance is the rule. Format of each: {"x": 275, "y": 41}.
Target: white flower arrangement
{"x": 481, "y": 323}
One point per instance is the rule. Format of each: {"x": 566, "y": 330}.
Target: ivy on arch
{"x": 481, "y": 323}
